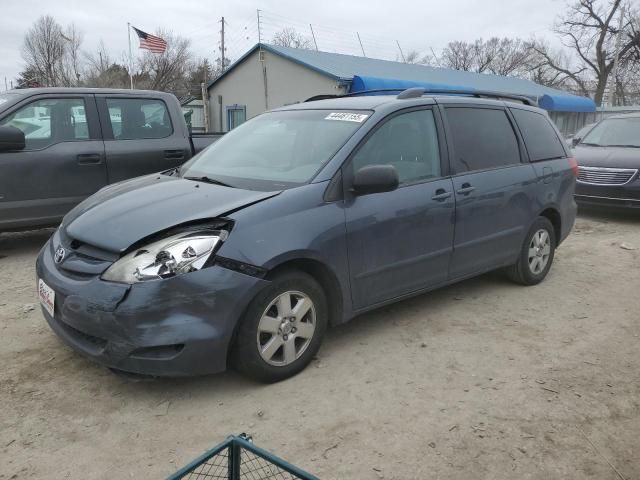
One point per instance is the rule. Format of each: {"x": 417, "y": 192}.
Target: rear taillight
{"x": 573, "y": 163}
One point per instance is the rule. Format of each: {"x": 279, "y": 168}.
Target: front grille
{"x": 606, "y": 176}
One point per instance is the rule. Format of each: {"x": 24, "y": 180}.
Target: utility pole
{"x": 401, "y": 52}
{"x": 259, "y": 27}
{"x": 263, "y": 63}
{"x": 222, "y": 49}
{"x": 361, "y": 47}
{"x": 313, "y": 35}
{"x": 614, "y": 70}
{"x": 205, "y": 96}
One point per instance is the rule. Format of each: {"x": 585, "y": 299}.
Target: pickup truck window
{"x": 49, "y": 121}
{"x": 138, "y": 118}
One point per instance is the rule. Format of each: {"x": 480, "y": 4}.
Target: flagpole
{"x": 130, "y": 56}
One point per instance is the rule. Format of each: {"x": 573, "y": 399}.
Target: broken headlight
{"x": 182, "y": 253}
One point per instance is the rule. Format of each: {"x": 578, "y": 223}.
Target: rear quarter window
{"x": 540, "y": 138}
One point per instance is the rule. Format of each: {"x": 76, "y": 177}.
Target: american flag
{"x": 151, "y": 42}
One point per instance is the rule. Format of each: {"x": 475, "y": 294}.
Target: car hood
{"x": 613, "y": 157}
{"x": 121, "y": 214}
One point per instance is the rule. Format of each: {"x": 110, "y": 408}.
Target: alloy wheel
{"x": 539, "y": 251}
{"x": 286, "y": 328}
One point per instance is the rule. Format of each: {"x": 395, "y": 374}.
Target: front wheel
{"x": 536, "y": 255}
{"x": 282, "y": 328}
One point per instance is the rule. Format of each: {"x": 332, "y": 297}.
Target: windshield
{"x": 276, "y": 150}
{"x": 612, "y": 132}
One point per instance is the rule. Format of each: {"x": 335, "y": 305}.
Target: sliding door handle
{"x": 441, "y": 195}
{"x": 465, "y": 189}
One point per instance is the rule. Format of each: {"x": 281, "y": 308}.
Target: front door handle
{"x": 89, "y": 159}
{"x": 465, "y": 189}
{"x": 174, "y": 154}
{"x": 441, "y": 195}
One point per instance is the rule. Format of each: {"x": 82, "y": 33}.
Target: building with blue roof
{"x": 270, "y": 76}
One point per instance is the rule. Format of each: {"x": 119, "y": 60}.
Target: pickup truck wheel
{"x": 536, "y": 255}
{"x": 282, "y": 329}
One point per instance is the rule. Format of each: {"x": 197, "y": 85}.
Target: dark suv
{"x": 301, "y": 218}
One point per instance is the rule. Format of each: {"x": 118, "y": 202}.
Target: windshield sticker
{"x": 347, "y": 117}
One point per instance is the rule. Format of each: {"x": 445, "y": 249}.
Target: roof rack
{"x": 354, "y": 94}
{"x": 417, "y": 92}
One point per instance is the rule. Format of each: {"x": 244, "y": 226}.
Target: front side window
{"x": 408, "y": 142}
{"x": 540, "y": 138}
{"x": 276, "y": 150}
{"x": 483, "y": 138}
{"x": 49, "y": 121}
{"x": 615, "y": 132}
{"x": 138, "y": 118}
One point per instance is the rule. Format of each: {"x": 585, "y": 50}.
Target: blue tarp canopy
{"x": 566, "y": 103}
{"x": 551, "y": 102}
{"x": 361, "y": 83}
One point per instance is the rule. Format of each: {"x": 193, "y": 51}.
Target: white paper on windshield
{"x": 347, "y": 117}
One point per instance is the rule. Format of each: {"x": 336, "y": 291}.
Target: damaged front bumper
{"x": 173, "y": 327}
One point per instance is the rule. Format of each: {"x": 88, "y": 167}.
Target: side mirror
{"x": 375, "y": 179}
{"x": 575, "y": 141}
{"x": 11, "y": 138}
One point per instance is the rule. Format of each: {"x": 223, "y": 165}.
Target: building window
{"x": 236, "y": 115}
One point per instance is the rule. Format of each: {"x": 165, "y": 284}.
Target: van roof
{"x": 373, "y": 102}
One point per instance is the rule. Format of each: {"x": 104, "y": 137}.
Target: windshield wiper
{"x": 625, "y": 146}
{"x": 590, "y": 144}
{"x": 208, "y": 180}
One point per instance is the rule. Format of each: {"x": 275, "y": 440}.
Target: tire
{"x": 527, "y": 270}
{"x": 268, "y": 333}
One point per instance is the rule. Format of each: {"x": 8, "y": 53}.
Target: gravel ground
{"x": 481, "y": 380}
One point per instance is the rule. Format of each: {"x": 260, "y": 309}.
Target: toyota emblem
{"x": 59, "y": 255}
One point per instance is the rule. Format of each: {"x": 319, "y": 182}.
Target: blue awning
{"x": 566, "y": 103}
{"x": 362, "y": 83}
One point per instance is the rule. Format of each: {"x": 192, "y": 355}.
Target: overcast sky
{"x": 416, "y": 24}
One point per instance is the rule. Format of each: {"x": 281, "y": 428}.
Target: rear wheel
{"x": 282, "y": 328}
{"x": 536, "y": 255}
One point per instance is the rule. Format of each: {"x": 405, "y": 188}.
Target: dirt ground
{"x": 481, "y": 380}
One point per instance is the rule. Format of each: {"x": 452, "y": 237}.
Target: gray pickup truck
{"x": 60, "y": 145}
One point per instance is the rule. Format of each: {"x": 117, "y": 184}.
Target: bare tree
{"x": 513, "y": 56}
{"x": 72, "y": 67}
{"x": 589, "y": 29}
{"x": 289, "y": 37}
{"x": 500, "y": 56}
{"x": 43, "y": 51}
{"x": 458, "y": 55}
{"x": 52, "y": 53}
{"x": 414, "y": 56}
{"x": 103, "y": 71}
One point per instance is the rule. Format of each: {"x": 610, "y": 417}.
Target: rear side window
{"x": 138, "y": 118}
{"x": 540, "y": 138}
{"x": 483, "y": 138}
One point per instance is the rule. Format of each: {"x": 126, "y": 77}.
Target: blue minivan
{"x": 303, "y": 218}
